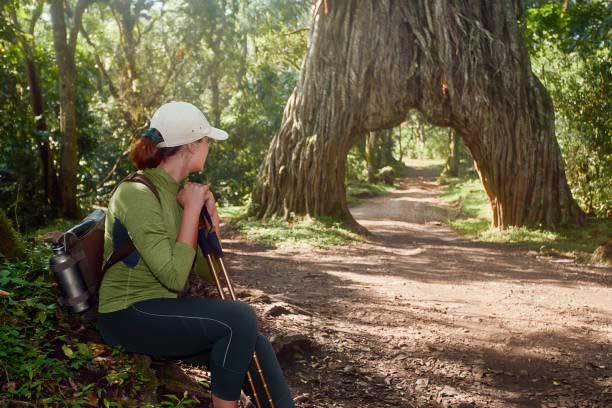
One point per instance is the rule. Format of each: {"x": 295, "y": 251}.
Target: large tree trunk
{"x": 64, "y": 52}
{"x": 462, "y": 64}
{"x": 49, "y": 177}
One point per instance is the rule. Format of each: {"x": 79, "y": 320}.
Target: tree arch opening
{"x": 463, "y": 65}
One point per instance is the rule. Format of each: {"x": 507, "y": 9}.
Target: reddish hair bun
{"x": 144, "y": 154}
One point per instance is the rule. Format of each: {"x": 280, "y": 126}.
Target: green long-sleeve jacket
{"x": 163, "y": 266}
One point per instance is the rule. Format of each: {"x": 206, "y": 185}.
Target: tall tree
{"x": 462, "y": 64}
{"x": 65, "y": 47}
{"x": 26, "y": 39}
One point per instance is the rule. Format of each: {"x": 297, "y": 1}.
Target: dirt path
{"x": 418, "y": 316}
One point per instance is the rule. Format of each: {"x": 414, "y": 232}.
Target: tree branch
{"x": 35, "y": 16}
{"x": 76, "y": 26}
{"x": 152, "y": 23}
{"x": 103, "y": 71}
{"x": 297, "y": 31}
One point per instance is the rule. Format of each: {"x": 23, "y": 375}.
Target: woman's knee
{"x": 245, "y": 318}
{"x": 264, "y": 347}
{"x": 262, "y": 341}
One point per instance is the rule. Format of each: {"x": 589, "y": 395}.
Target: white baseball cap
{"x": 180, "y": 123}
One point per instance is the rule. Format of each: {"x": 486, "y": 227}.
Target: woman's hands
{"x": 194, "y": 196}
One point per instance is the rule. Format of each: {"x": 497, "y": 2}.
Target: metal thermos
{"x": 74, "y": 291}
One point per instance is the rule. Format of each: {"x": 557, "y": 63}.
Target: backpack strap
{"x": 127, "y": 246}
{"x": 141, "y": 178}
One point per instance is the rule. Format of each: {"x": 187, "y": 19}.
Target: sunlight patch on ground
{"x": 414, "y": 199}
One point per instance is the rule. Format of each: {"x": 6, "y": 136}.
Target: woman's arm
{"x": 190, "y": 230}
{"x": 170, "y": 260}
{"x": 188, "y": 233}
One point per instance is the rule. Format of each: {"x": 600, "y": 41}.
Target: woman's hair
{"x": 145, "y": 154}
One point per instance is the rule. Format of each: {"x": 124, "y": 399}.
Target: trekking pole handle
{"x": 208, "y": 240}
{"x": 204, "y": 214}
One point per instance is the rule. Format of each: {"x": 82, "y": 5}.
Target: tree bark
{"x": 49, "y": 177}
{"x": 65, "y": 47}
{"x": 462, "y": 64}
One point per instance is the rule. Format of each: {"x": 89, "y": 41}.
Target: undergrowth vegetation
{"x": 275, "y": 232}
{"x": 473, "y": 219}
{"x": 53, "y": 359}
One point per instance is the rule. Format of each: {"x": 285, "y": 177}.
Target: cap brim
{"x": 217, "y": 134}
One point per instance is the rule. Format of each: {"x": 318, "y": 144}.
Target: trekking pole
{"x": 211, "y": 248}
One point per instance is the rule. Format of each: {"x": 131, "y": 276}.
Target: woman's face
{"x": 197, "y": 154}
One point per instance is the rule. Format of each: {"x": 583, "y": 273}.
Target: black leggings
{"x": 220, "y": 334}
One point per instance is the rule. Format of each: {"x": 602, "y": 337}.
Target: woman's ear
{"x": 187, "y": 149}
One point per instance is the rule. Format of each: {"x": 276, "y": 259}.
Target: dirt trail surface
{"x": 418, "y": 316}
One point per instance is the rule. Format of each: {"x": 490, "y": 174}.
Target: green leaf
{"x": 40, "y": 316}
{"x": 83, "y": 349}
{"x": 68, "y": 351}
